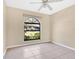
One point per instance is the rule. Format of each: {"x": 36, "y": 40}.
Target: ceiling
{"x": 26, "y": 5}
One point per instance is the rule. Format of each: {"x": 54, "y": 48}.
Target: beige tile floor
{"x": 40, "y": 51}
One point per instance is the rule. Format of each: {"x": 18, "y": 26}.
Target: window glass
{"x": 31, "y": 28}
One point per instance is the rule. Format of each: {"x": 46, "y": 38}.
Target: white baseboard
{"x": 64, "y": 46}
{"x": 4, "y": 52}
{"x": 14, "y": 46}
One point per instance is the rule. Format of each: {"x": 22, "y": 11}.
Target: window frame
{"x": 25, "y": 23}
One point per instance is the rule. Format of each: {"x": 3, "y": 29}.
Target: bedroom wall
{"x": 63, "y": 27}
{"x": 16, "y": 27}
{"x": 4, "y": 28}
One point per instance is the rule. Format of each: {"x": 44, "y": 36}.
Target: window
{"x": 31, "y": 28}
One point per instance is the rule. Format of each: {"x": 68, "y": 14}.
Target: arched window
{"x": 31, "y": 28}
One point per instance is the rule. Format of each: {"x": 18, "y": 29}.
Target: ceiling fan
{"x": 45, "y": 3}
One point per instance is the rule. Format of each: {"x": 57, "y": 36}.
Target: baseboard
{"x": 4, "y": 53}
{"x": 14, "y": 46}
{"x": 64, "y": 46}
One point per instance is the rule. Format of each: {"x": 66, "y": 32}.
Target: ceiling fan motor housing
{"x": 45, "y": 1}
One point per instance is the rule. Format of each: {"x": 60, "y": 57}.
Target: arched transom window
{"x": 31, "y": 28}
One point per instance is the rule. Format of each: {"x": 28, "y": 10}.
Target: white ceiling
{"x": 26, "y": 5}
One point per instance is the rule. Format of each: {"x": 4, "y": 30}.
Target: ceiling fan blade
{"x": 49, "y": 6}
{"x": 35, "y": 2}
{"x": 55, "y": 0}
{"x": 41, "y": 7}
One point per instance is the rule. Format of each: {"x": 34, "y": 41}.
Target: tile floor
{"x": 40, "y": 51}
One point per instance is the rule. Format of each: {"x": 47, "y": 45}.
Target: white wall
{"x": 16, "y": 27}
{"x": 63, "y": 27}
